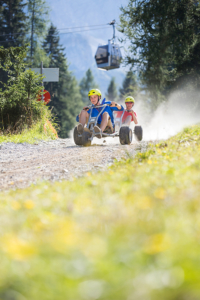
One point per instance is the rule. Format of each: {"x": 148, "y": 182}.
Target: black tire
{"x": 125, "y": 135}
{"x": 77, "y": 138}
{"x": 85, "y": 139}
{"x": 138, "y": 132}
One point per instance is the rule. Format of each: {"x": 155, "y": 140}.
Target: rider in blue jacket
{"x": 105, "y": 121}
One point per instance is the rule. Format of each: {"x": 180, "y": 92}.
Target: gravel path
{"x": 23, "y": 164}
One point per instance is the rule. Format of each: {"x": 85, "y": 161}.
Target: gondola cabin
{"x": 108, "y": 57}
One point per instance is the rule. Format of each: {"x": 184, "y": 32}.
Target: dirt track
{"x": 23, "y": 164}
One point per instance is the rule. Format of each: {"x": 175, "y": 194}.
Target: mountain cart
{"x": 125, "y": 133}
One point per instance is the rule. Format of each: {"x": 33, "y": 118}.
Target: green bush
{"x": 19, "y": 107}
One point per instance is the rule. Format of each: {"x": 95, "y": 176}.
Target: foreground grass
{"x": 42, "y": 130}
{"x": 131, "y": 233}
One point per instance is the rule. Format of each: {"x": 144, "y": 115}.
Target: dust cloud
{"x": 181, "y": 110}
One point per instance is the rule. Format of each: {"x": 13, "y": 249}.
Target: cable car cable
{"x": 83, "y": 26}
{"x": 69, "y": 28}
{"x": 60, "y": 33}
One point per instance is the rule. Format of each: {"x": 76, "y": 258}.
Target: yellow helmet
{"x": 94, "y": 92}
{"x": 129, "y": 99}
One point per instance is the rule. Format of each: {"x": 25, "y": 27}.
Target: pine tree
{"x": 129, "y": 85}
{"x": 112, "y": 90}
{"x": 65, "y": 96}
{"x": 86, "y": 84}
{"x": 13, "y": 27}
{"x": 38, "y": 57}
{"x": 38, "y": 18}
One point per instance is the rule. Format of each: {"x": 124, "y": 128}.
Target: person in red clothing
{"x": 129, "y": 114}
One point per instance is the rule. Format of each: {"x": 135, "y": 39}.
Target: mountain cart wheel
{"x": 125, "y": 135}
{"x": 77, "y": 138}
{"x": 85, "y": 139}
{"x": 138, "y": 132}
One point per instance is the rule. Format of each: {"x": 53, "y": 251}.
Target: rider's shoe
{"x": 87, "y": 129}
{"x": 80, "y": 128}
{"x": 98, "y": 130}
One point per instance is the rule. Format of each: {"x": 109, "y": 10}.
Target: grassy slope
{"x": 131, "y": 233}
{"x": 42, "y": 130}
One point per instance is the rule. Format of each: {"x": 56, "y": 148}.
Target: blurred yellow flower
{"x": 160, "y": 193}
{"x": 144, "y": 203}
{"x": 149, "y": 162}
{"x": 17, "y": 248}
{"x": 67, "y": 234}
{"x": 39, "y": 226}
{"x": 29, "y": 204}
{"x": 157, "y": 243}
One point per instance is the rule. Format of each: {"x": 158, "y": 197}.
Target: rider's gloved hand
{"x": 113, "y": 104}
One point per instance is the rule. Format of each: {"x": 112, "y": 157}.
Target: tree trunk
{"x": 32, "y": 27}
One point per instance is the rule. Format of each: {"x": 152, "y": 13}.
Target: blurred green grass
{"x": 130, "y": 233}
{"x": 41, "y": 130}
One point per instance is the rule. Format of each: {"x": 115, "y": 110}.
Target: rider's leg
{"x": 135, "y": 119}
{"x": 110, "y": 125}
{"x": 128, "y": 120}
{"x": 83, "y": 117}
{"x": 103, "y": 125}
{"x": 104, "y": 121}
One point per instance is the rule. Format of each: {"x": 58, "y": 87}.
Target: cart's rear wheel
{"x": 77, "y": 138}
{"x": 85, "y": 139}
{"x": 125, "y": 135}
{"x": 138, "y": 132}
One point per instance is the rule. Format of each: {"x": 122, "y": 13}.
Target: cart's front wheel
{"x": 138, "y": 132}
{"x": 125, "y": 135}
{"x": 85, "y": 139}
{"x": 77, "y": 137}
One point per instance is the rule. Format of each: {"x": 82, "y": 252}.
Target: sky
{"x": 80, "y": 13}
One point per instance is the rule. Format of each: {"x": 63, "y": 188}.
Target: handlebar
{"x": 101, "y": 105}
